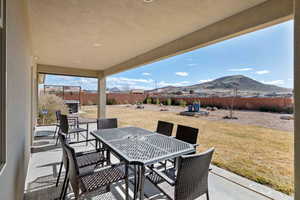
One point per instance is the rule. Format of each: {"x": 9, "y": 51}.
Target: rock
{"x": 214, "y": 108}
{"x": 287, "y": 117}
{"x": 164, "y": 109}
{"x": 140, "y": 107}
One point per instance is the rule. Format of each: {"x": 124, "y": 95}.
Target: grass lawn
{"x": 260, "y": 154}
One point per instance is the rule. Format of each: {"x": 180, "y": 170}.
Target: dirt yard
{"x": 258, "y": 145}
{"x": 256, "y": 118}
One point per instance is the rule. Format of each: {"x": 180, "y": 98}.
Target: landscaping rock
{"x": 214, "y": 108}
{"x": 287, "y": 117}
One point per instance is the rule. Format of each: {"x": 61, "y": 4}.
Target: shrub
{"x": 289, "y": 110}
{"x": 51, "y": 103}
{"x": 111, "y": 101}
{"x": 148, "y": 100}
{"x": 157, "y": 102}
{"x": 182, "y": 103}
{"x": 169, "y": 102}
{"x": 175, "y": 102}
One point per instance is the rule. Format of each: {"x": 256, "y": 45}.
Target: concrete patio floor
{"x": 46, "y": 157}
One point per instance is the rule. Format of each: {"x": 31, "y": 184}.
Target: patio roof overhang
{"x": 100, "y": 38}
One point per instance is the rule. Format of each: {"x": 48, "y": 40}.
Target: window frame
{"x": 2, "y": 84}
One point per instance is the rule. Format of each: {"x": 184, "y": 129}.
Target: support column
{"x": 101, "y": 97}
{"x": 34, "y": 100}
{"x": 297, "y": 97}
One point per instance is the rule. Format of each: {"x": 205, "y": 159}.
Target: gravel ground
{"x": 256, "y": 118}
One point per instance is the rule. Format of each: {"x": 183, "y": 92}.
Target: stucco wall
{"x": 18, "y": 102}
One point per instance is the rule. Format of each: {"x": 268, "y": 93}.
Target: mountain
{"x": 114, "y": 90}
{"x": 244, "y": 85}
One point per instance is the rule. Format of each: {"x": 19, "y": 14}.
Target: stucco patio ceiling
{"x": 101, "y": 34}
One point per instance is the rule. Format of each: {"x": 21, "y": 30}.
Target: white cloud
{"x": 178, "y": 84}
{"x": 181, "y": 73}
{"x": 240, "y": 69}
{"x": 128, "y": 83}
{"x": 262, "y": 72}
{"x": 146, "y": 74}
{"x": 290, "y": 79}
{"x": 203, "y": 81}
{"x": 275, "y": 82}
{"x": 192, "y": 64}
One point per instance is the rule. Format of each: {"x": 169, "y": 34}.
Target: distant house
{"x": 137, "y": 91}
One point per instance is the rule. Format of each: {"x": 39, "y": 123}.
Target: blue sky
{"x": 265, "y": 55}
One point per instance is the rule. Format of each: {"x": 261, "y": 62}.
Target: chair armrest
{"x": 82, "y": 153}
{"x": 77, "y": 142}
{"x": 101, "y": 169}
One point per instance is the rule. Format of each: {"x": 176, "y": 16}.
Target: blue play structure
{"x": 195, "y": 107}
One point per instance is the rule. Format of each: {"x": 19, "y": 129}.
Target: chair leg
{"x": 87, "y": 137}
{"x": 207, "y": 196}
{"x": 64, "y": 192}
{"x": 135, "y": 191}
{"x": 63, "y": 188}
{"x": 77, "y": 136}
{"x": 108, "y": 157}
{"x": 126, "y": 182}
{"x": 59, "y": 173}
{"x": 55, "y": 131}
{"x": 56, "y": 141}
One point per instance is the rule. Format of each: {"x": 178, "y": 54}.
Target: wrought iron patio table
{"x": 141, "y": 148}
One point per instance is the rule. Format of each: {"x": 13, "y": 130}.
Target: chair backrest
{"x": 164, "y": 128}
{"x": 187, "y": 134}
{"x": 73, "y": 170}
{"x": 57, "y": 114}
{"x": 63, "y": 141}
{"x": 192, "y": 176}
{"x": 106, "y": 123}
{"x": 64, "y": 124}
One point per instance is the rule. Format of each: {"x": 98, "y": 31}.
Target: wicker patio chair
{"x": 73, "y": 121}
{"x": 89, "y": 159}
{"x": 187, "y": 134}
{"x": 106, "y": 123}
{"x": 57, "y": 114}
{"x": 97, "y": 182}
{"x": 191, "y": 179}
{"x": 164, "y": 128}
{"x": 65, "y": 128}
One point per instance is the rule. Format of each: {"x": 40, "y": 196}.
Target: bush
{"x": 169, "y": 102}
{"x": 111, "y": 102}
{"x": 157, "y": 102}
{"x": 182, "y": 103}
{"x": 148, "y": 100}
{"x": 288, "y": 110}
{"x": 175, "y": 102}
{"x": 51, "y": 103}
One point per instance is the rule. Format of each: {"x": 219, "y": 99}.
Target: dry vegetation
{"x": 51, "y": 103}
{"x": 261, "y": 154}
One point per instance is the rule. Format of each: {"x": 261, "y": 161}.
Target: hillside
{"x": 244, "y": 85}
